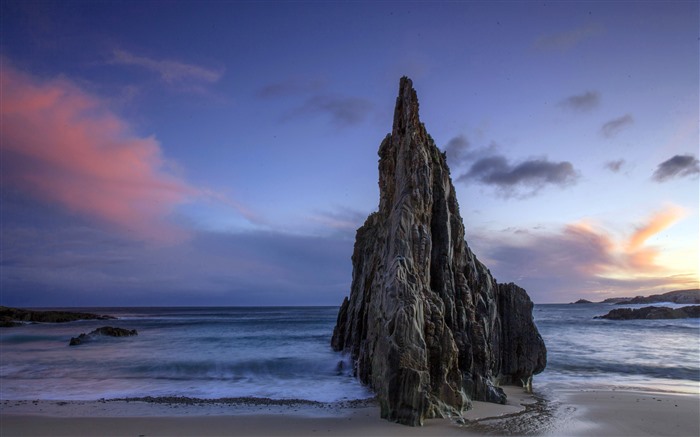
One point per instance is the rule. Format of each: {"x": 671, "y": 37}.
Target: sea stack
{"x": 426, "y": 325}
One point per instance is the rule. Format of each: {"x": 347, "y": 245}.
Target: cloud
{"x": 343, "y": 111}
{"x": 243, "y": 210}
{"x": 563, "y": 41}
{"x": 172, "y": 72}
{"x": 582, "y": 258}
{"x": 456, "y": 150}
{"x": 341, "y": 219}
{"x": 677, "y": 167}
{"x": 614, "y": 126}
{"x": 615, "y": 166}
{"x": 64, "y": 146}
{"x": 582, "y": 102}
{"x": 64, "y": 263}
{"x": 643, "y": 258}
{"x": 534, "y": 174}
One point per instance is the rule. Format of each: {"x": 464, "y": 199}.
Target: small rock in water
{"x": 105, "y": 330}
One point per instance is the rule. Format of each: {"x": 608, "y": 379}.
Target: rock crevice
{"x": 427, "y": 326}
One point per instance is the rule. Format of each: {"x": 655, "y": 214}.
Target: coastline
{"x": 594, "y": 412}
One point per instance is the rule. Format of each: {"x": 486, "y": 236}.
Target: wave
{"x": 278, "y": 367}
{"x": 285, "y": 353}
{"x": 586, "y": 369}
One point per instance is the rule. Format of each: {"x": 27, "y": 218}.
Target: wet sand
{"x": 572, "y": 413}
{"x": 629, "y": 413}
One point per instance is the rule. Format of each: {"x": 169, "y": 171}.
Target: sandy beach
{"x": 629, "y": 413}
{"x": 573, "y": 413}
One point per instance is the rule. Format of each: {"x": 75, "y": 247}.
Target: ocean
{"x": 284, "y": 353}
{"x": 584, "y": 352}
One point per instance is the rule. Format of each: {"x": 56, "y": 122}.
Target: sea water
{"x": 284, "y": 353}
{"x": 585, "y": 352}
{"x": 273, "y": 352}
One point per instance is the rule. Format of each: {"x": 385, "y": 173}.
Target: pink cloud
{"x": 62, "y": 145}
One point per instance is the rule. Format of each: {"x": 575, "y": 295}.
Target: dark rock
{"x": 106, "y": 331}
{"x": 426, "y": 325}
{"x": 15, "y": 316}
{"x": 653, "y": 312}
{"x": 582, "y": 301}
{"x": 340, "y": 368}
{"x": 7, "y": 322}
{"x": 523, "y": 352}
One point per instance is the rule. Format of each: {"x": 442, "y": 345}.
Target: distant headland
{"x": 15, "y": 316}
{"x": 690, "y": 296}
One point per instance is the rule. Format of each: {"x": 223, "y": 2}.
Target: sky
{"x": 224, "y": 153}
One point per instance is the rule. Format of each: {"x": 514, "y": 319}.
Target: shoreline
{"x": 566, "y": 412}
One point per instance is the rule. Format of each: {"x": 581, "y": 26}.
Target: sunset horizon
{"x": 145, "y": 165}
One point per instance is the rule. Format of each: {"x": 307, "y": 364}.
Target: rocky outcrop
{"x": 108, "y": 331}
{"x": 427, "y": 326}
{"x": 580, "y": 301}
{"x": 15, "y": 316}
{"x": 653, "y": 312}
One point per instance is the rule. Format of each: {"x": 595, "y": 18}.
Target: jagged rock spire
{"x": 426, "y": 324}
{"x": 406, "y": 110}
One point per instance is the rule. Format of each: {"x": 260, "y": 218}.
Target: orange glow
{"x": 657, "y": 223}
{"x": 632, "y": 258}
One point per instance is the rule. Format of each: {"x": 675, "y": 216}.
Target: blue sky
{"x": 223, "y": 153}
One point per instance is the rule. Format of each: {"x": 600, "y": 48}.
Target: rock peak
{"x": 403, "y": 149}
{"x": 426, "y": 325}
{"x": 406, "y": 110}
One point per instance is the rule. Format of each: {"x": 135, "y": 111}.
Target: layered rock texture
{"x": 427, "y": 326}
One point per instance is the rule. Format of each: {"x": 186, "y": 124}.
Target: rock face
{"x": 653, "y": 313}
{"x": 105, "y": 330}
{"x": 427, "y": 326}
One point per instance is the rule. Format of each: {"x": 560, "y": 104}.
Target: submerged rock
{"x": 653, "y": 312}
{"x": 106, "y": 331}
{"x": 427, "y": 326}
